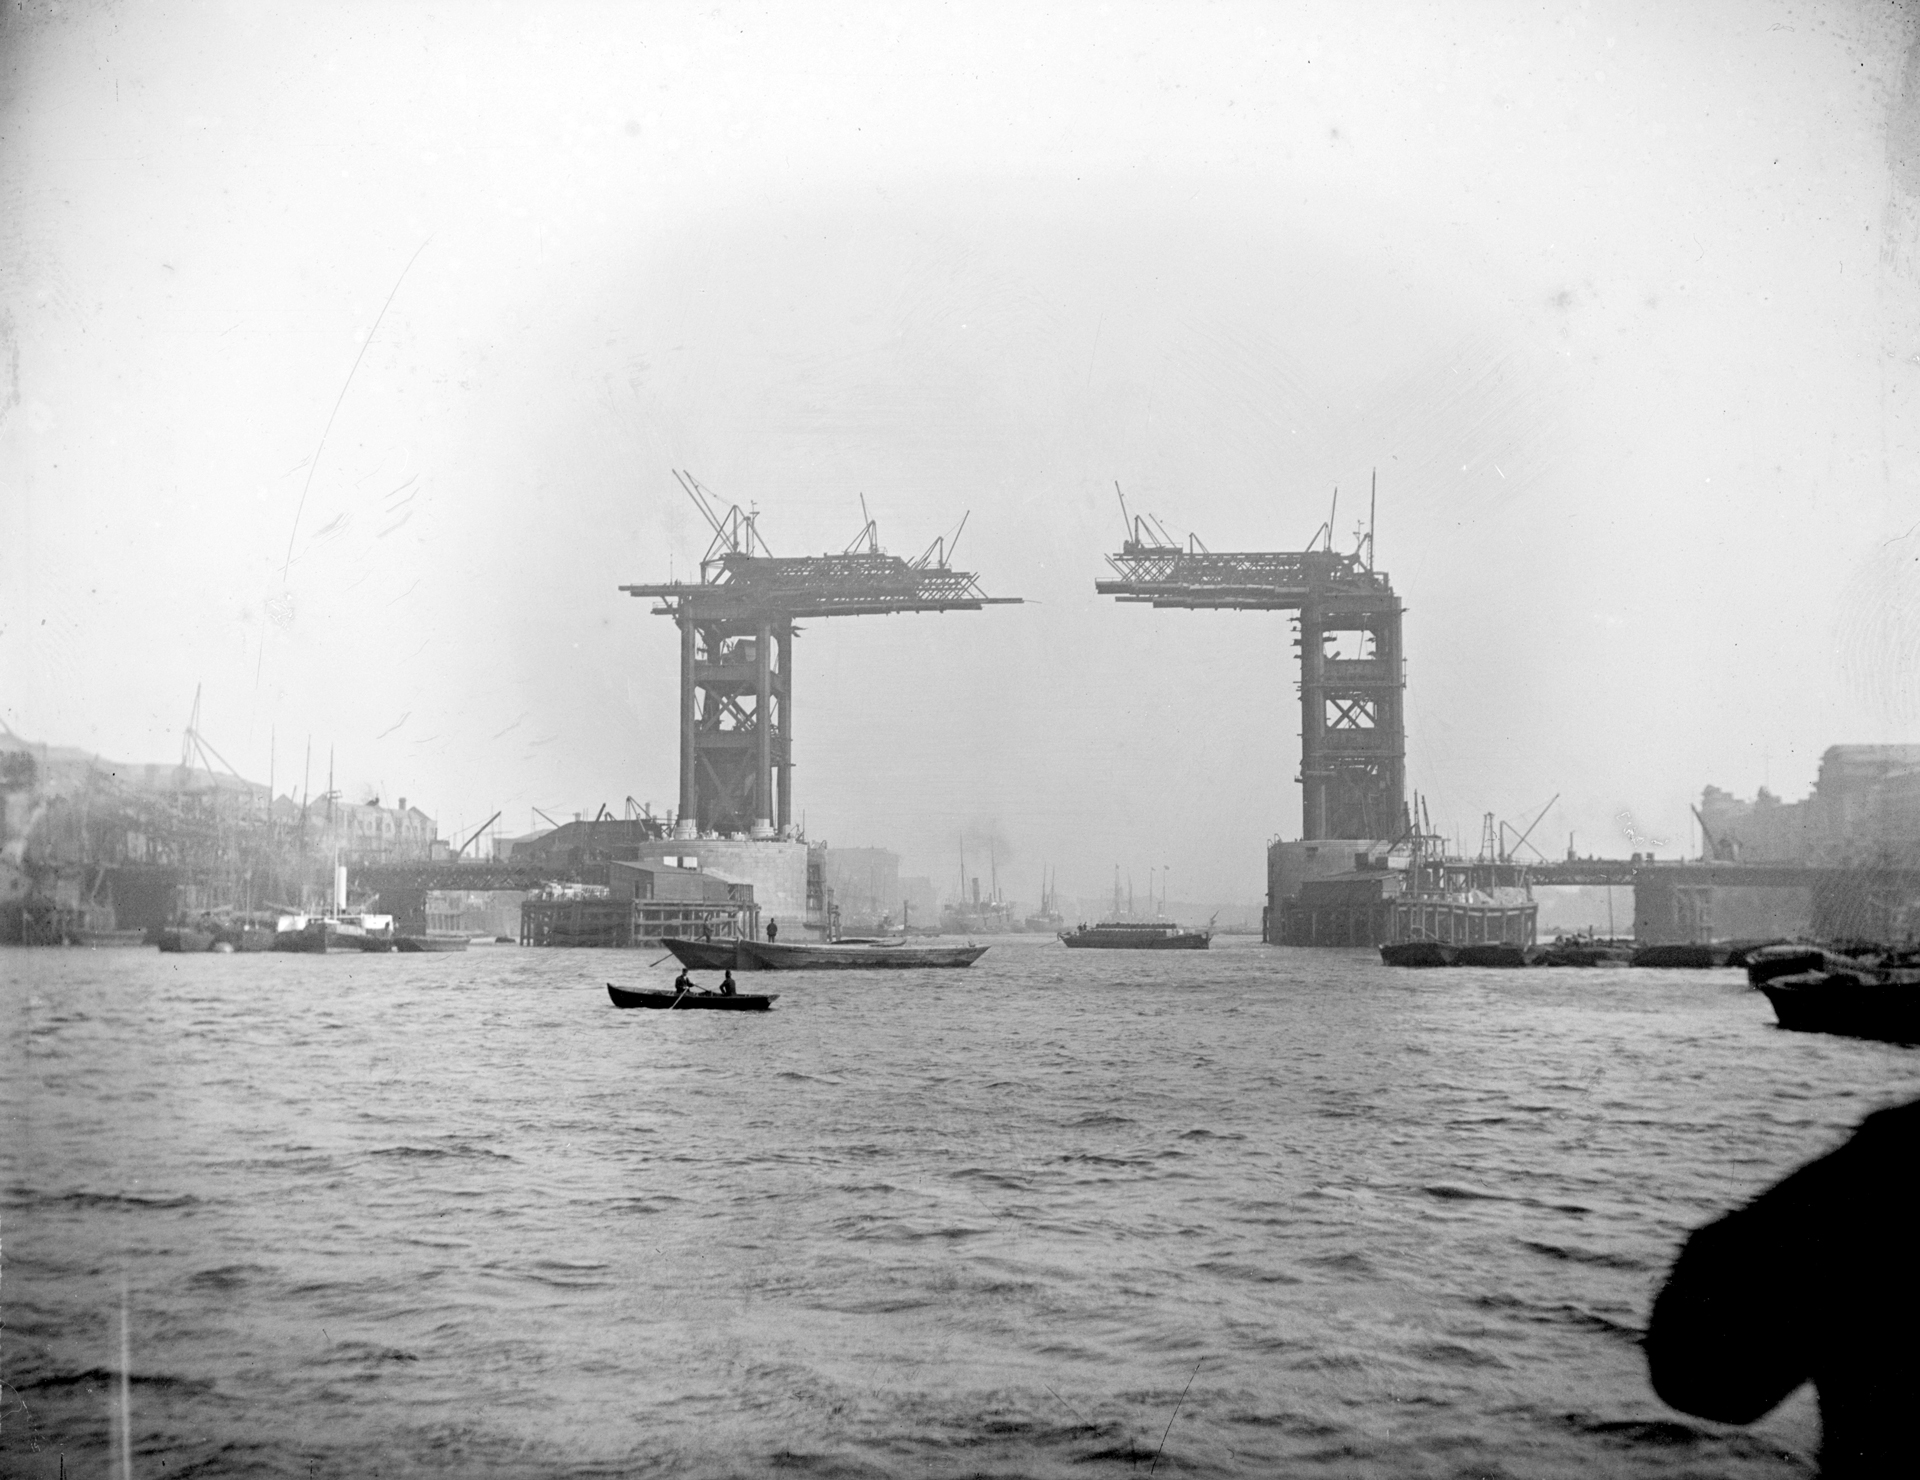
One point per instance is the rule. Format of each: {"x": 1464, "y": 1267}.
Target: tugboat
{"x": 322, "y": 934}
{"x": 335, "y": 929}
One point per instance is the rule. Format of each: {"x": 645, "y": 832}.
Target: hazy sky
{"x": 345, "y": 352}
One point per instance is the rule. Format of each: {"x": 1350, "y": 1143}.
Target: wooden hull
{"x": 1778, "y": 961}
{"x": 105, "y": 940}
{"x": 708, "y": 955}
{"x": 429, "y": 944}
{"x": 1684, "y": 957}
{"x": 767, "y": 956}
{"x": 318, "y": 940}
{"x": 1584, "y": 955}
{"x": 1860, "y": 959}
{"x": 1124, "y": 940}
{"x": 692, "y": 1001}
{"x": 1505, "y": 954}
{"x": 1814, "y": 1003}
{"x": 179, "y": 938}
{"x": 1419, "y": 953}
{"x": 1491, "y": 953}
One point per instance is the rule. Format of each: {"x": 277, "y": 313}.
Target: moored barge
{"x": 1135, "y": 935}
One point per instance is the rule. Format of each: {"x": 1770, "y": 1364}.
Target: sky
{"x": 345, "y": 355}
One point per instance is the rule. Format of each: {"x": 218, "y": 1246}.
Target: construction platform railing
{"x": 621, "y": 923}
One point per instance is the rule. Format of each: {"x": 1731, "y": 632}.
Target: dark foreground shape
{"x": 1687, "y": 958}
{"x": 1814, "y": 1278}
{"x": 1419, "y": 953}
{"x": 1886, "y": 1008}
{"x": 692, "y": 1001}
{"x": 767, "y": 956}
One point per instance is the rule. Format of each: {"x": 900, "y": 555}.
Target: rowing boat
{"x": 694, "y": 1001}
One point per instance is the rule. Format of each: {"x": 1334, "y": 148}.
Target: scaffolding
{"x": 624, "y": 923}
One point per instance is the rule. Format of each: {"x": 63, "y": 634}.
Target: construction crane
{"x": 736, "y": 651}
{"x": 194, "y": 746}
{"x": 474, "y": 836}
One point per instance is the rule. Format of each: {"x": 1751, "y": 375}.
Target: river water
{"x": 1261, "y": 1211}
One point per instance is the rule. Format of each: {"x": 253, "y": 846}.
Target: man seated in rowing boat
{"x": 684, "y": 983}
{"x": 727, "y": 988}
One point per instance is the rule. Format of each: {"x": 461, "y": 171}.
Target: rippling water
{"x": 1282, "y": 1211}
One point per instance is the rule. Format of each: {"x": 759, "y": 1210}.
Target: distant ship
{"x": 1136, "y": 935}
{"x": 972, "y": 915}
{"x": 1049, "y": 918}
{"x": 981, "y": 917}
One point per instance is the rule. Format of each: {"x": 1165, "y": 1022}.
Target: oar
{"x": 667, "y": 957}
{"x": 676, "y": 1001}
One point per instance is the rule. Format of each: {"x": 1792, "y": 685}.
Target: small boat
{"x": 105, "y": 940}
{"x": 1419, "y": 953}
{"x": 695, "y": 1001}
{"x": 1584, "y": 950}
{"x": 1135, "y": 935}
{"x": 1883, "y": 1005}
{"x": 880, "y": 956}
{"x": 1683, "y": 957}
{"x": 429, "y": 944}
{"x": 1493, "y": 953}
{"x": 178, "y": 938}
{"x": 312, "y": 939}
{"x": 252, "y": 930}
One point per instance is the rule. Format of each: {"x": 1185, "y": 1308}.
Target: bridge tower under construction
{"x": 737, "y": 629}
{"x": 1353, "y": 770}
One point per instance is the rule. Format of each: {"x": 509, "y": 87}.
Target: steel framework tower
{"x": 1352, "y": 731}
{"x": 736, "y": 653}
